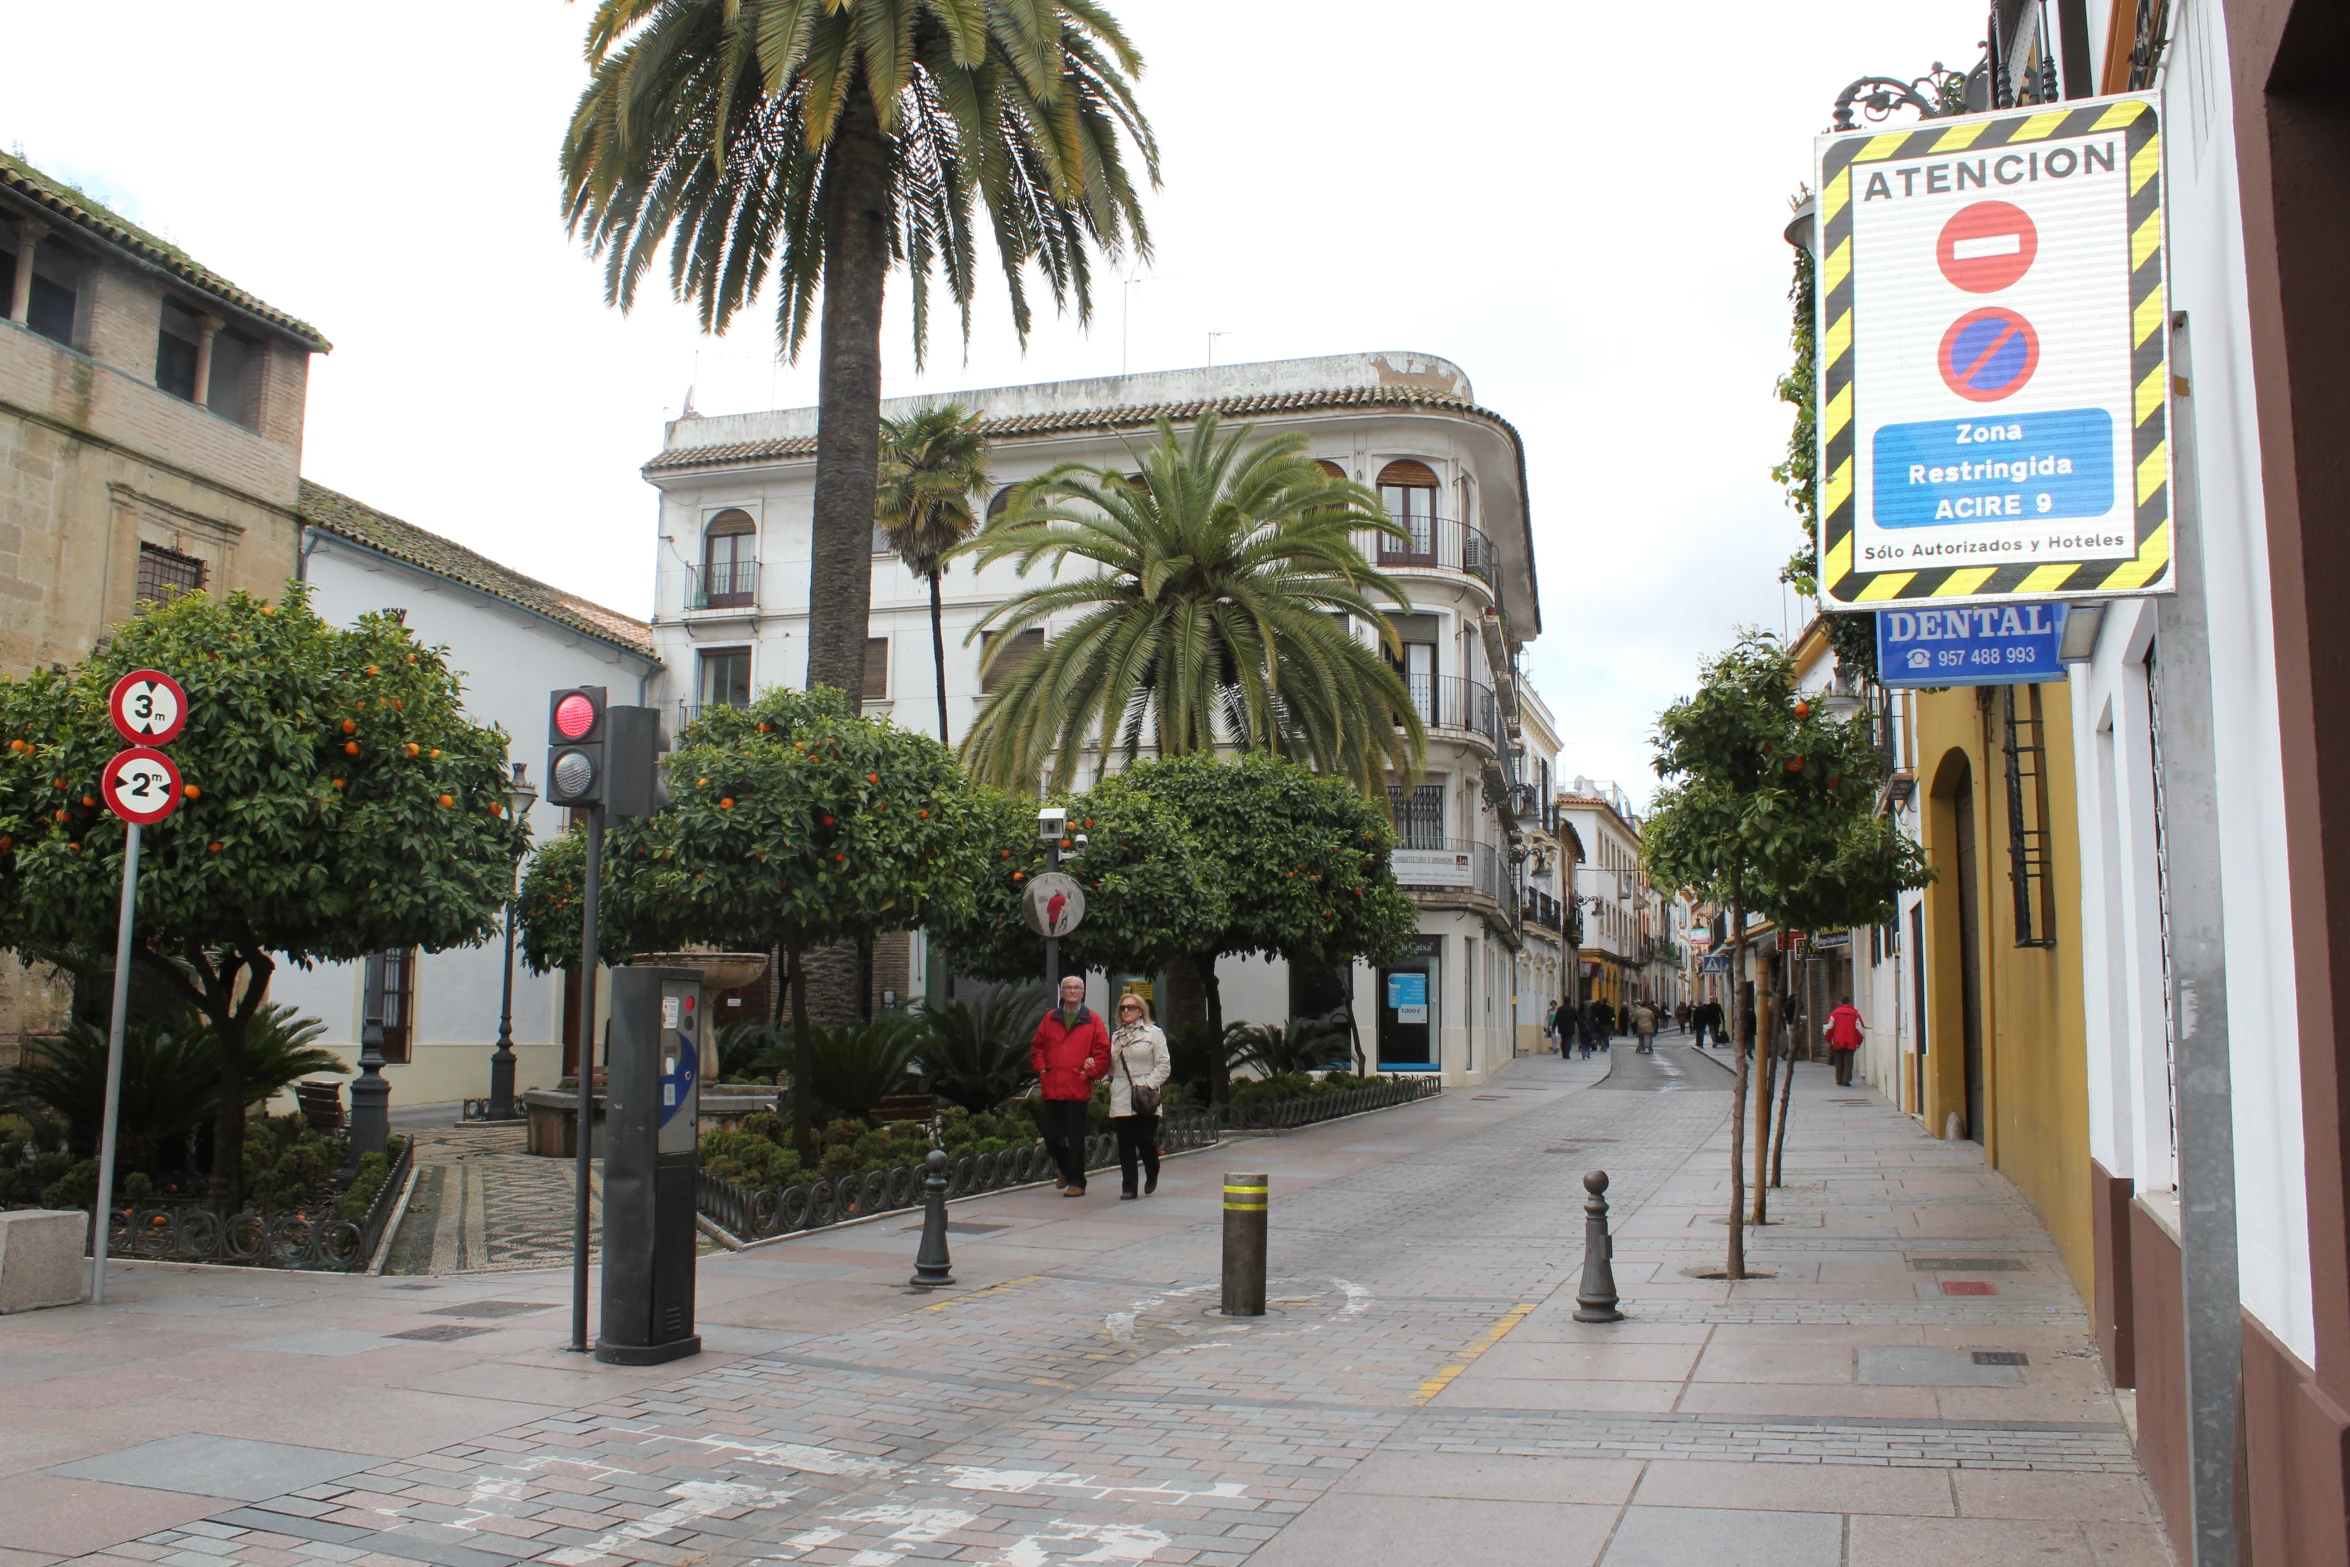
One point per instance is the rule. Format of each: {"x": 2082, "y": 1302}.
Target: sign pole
{"x": 584, "y": 1149}
{"x": 103, "y": 1218}
{"x": 1052, "y": 944}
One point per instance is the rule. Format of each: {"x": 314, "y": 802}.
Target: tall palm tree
{"x": 1218, "y": 615}
{"x": 830, "y": 140}
{"x": 933, "y": 475}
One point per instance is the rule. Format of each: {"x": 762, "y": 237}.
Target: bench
{"x": 905, "y": 1107}
{"x": 321, "y": 1104}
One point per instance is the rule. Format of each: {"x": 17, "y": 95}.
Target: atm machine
{"x": 652, "y": 1117}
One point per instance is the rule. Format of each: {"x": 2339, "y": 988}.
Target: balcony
{"x": 1434, "y": 544}
{"x": 691, "y": 712}
{"x": 1454, "y": 865}
{"x": 722, "y": 584}
{"x": 1451, "y": 702}
{"x": 1540, "y": 908}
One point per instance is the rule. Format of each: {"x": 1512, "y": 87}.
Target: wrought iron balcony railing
{"x": 1451, "y": 702}
{"x": 1433, "y": 544}
{"x": 722, "y": 584}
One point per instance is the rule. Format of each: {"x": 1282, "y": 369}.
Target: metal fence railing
{"x": 1434, "y": 544}
{"x": 307, "y": 1241}
{"x": 1286, "y": 1114}
{"x": 722, "y": 584}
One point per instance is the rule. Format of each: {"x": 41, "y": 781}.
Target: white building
{"x": 731, "y": 618}
{"x": 1618, "y": 906}
{"x": 512, "y": 640}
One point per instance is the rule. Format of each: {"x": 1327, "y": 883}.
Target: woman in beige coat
{"x": 1138, "y": 1060}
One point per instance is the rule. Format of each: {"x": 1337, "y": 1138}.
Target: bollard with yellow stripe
{"x": 1245, "y": 1214}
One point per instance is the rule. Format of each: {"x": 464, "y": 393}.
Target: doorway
{"x": 1407, "y": 1009}
{"x": 1970, "y": 950}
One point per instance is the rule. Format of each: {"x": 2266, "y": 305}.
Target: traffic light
{"x": 575, "y": 746}
{"x": 633, "y": 754}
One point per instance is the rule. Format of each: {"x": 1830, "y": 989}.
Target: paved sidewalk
{"x": 1419, "y": 1393}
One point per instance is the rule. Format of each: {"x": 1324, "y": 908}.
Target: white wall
{"x": 509, "y": 660}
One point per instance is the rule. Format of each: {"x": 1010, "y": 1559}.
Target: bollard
{"x": 1244, "y": 1245}
{"x": 932, "y": 1266}
{"x": 1596, "y": 1300}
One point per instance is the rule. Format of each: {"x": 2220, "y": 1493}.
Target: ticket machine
{"x": 651, "y": 1165}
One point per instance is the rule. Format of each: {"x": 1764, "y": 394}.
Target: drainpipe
{"x": 2199, "y": 1008}
{"x": 309, "y": 541}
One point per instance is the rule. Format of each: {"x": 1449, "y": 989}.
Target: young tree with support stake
{"x": 338, "y": 802}
{"x": 791, "y": 823}
{"x": 1768, "y": 808}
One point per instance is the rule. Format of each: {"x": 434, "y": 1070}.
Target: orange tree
{"x": 1306, "y": 873}
{"x": 1150, "y": 889}
{"x": 339, "y": 802}
{"x": 791, "y": 823}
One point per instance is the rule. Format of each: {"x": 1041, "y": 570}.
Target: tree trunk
{"x": 228, "y": 1124}
{"x": 938, "y": 651}
{"x": 1766, "y": 1055}
{"x": 1186, "y": 1000}
{"x": 1219, "y": 1067}
{"x": 803, "y": 1068}
{"x": 1735, "y": 1266}
{"x": 1779, "y": 1132}
{"x": 848, "y": 394}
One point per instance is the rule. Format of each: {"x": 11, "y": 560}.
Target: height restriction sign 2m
{"x": 1994, "y": 385}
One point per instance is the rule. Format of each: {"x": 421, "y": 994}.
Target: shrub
{"x": 858, "y": 1066}
{"x": 976, "y": 1054}
{"x": 1306, "y": 1045}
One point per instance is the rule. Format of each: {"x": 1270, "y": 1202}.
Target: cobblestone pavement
{"x": 1418, "y": 1391}
{"x": 482, "y": 1205}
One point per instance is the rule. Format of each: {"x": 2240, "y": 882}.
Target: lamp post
{"x": 520, "y": 797}
{"x": 371, "y": 1096}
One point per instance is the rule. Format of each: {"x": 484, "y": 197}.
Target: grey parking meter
{"x": 651, "y": 1166}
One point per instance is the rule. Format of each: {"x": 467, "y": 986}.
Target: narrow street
{"x": 1419, "y": 1391}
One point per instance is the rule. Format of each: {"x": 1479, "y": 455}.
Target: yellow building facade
{"x": 2006, "y": 1057}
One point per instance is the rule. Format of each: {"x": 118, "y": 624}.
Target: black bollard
{"x": 1244, "y": 1245}
{"x": 932, "y": 1265}
{"x": 1596, "y": 1300}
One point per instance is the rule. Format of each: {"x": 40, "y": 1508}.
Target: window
{"x": 50, "y": 306}
{"x": 726, "y": 677}
{"x": 876, "y": 688}
{"x": 1001, "y": 504}
{"x": 1418, "y": 816}
{"x": 1003, "y": 666}
{"x": 1330, "y": 468}
{"x": 392, "y": 999}
{"x": 730, "y": 562}
{"x": 881, "y": 544}
{"x": 232, "y": 363}
{"x": 1408, "y": 490}
{"x": 176, "y": 350}
{"x": 165, "y": 574}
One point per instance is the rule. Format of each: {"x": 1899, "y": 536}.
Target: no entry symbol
{"x": 1987, "y": 246}
{"x": 1988, "y": 354}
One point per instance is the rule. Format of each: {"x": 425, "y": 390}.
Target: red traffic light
{"x": 575, "y": 715}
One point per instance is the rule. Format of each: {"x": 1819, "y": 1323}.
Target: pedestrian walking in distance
{"x": 1562, "y": 1030}
{"x": 1585, "y": 1033}
{"x": 1070, "y": 1054}
{"x": 1844, "y": 1036}
{"x": 1603, "y": 1023}
{"x": 1644, "y": 1028}
{"x": 1139, "y": 1069}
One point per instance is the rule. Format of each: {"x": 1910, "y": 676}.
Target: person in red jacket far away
{"x": 1844, "y": 1036}
{"x": 1070, "y": 1051}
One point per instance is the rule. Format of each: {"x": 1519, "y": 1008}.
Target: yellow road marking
{"x": 1477, "y": 1346}
{"x": 992, "y": 1289}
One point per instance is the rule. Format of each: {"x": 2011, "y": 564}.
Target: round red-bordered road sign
{"x": 148, "y": 707}
{"x": 1987, "y": 246}
{"x": 1988, "y": 354}
{"x": 141, "y": 785}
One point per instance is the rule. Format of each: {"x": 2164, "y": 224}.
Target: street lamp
{"x": 520, "y": 797}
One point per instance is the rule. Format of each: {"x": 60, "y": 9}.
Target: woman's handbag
{"x": 1144, "y": 1100}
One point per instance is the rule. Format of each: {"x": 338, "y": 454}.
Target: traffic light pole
{"x": 584, "y": 1142}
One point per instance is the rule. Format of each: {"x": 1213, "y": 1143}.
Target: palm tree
{"x": 830, "y": 140}
{"x": 933, "y": 472}
{"x": 1219, "y": 615}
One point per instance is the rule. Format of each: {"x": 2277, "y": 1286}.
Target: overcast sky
{"x": 1580, "y": 205}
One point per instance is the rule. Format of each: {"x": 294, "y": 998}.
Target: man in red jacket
{"x": 1070, "y": 1051}
{"x": 1844, "y": 1037}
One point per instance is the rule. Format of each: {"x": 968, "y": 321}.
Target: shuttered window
{"x": 1025, "y": 646}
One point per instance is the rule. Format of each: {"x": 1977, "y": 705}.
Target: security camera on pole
{"x": 142, "y": 787}
{"x": 601, "y": 760}
{"x": 1054, "y": 904}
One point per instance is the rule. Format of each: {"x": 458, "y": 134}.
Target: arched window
{"x": 1002, "y": 502}
{"x": 1330, "y": 468}
{"x": 730, "y": 562}
{"x": 1408, "y": 490}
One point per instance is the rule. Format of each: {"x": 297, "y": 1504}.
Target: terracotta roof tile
{"x": 64, "y": 201}
{"x": 1119, "y": 418}
{"x": 330, "y": 511}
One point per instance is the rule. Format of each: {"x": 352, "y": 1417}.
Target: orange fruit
{"x": 349, "y": 727}
{"x": 448, "y": 799}
{"x": 413, "y": 748}
{"x": 350, "y": 748}
{"x": 216, "y": 848}
{"x": 726, "y": 804}
{"x": 193, "y": 793}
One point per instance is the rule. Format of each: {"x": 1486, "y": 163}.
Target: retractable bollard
{"x": 1244, "y": 1245}
{"x": 1596, "y": 1300}
{"x": 932, "y": 1266}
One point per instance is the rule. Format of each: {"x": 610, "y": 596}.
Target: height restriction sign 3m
{"x": 1994, "y": 385}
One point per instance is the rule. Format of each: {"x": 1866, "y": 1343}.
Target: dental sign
{"x": 1994, "y": 387}
{"x": 1973, "y": 645}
